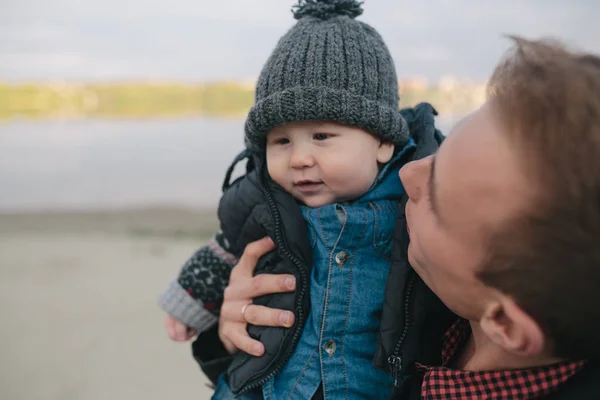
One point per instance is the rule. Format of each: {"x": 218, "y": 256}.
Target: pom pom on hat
{"x": 326, "y": 9}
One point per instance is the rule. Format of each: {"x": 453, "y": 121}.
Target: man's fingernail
{"x": 285, "y": 318}
{"x": 257, "y": 349}
{"x": 290, "y": 282}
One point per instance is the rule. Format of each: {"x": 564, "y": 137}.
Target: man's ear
{"x": 511, "y": 328}
{"x": 385, "y": 152}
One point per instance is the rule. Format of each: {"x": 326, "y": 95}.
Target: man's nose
{"x": 414, "y": 176}
{"x": 301, "y": 157}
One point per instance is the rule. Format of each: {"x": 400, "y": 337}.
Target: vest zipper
{"x": 299, "y": 309}
{"x": 395, "y": 360}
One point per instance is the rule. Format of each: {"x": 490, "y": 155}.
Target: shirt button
{"x": 330, "y": 347}
{"x": 341, "y": 257}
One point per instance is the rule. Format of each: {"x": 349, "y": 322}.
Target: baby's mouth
{"x": 307, "y": 186}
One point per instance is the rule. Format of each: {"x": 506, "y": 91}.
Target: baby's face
{"x": 324, "y": 162}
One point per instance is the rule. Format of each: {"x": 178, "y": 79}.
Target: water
{"x": 114, "y": 164}
{"x": 82, "y": 165}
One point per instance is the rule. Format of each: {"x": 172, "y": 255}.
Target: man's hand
{"x": 237, "y": 309}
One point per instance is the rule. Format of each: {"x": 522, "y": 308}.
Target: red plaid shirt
{"x": 446, "y": 384}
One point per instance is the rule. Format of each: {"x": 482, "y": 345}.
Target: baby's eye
{"x": 320, "y": 136}
{"x": 282, "y": 141}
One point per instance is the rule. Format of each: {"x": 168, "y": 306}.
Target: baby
{"x": 325, "y": 141}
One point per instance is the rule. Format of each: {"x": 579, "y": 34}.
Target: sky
{"x": 199, "y": 40}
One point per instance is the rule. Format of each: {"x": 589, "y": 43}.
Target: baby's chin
{"x": 321, "y": 199}
{"x": 315, "y": 201}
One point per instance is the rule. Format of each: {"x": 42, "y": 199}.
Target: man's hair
{"x": 548, "y": 259}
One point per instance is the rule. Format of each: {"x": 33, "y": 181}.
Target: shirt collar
{"x": 444, "y": 383}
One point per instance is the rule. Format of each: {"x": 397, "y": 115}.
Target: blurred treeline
{"x": 164, "y": 99}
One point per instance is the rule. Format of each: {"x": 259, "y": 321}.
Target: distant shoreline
{"x": 224, "y": 99}
{"x": 172, "y": 222}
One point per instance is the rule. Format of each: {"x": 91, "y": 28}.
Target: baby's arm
{"x": 195, "y": 297}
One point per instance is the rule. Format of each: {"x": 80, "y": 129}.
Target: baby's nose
{"x": 301, "y": 158}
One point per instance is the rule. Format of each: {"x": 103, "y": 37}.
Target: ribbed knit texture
{"x": 328, "y": 67}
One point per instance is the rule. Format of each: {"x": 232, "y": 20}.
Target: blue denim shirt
{"x": 352, "y": 245}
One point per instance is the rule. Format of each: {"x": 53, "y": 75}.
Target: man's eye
{"x": 320, "y": 136}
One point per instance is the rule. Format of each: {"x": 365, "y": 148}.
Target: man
{"x": 504, "y": 225}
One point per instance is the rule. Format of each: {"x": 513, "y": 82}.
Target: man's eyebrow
{"x": 432, "y": 196}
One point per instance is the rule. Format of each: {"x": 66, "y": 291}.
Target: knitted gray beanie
{"x": 328, "y": 67}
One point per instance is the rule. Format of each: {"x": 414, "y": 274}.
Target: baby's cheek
{"x": 276, "y": 168}
{"x": 355, "y": 182}
{"x": 343, "y": 166}
{"x": 365, "y": 174}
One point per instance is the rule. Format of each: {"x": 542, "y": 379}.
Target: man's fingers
{"x": 260, "y": 285}
{"x": 256, "y": 315}
{"x": 265, "y": 316}
{"x": 252, "y": 253}
{"x": 232, "y": 311}
{"x": 241, "y": 290}
{"x": 242, "y": 341}
{"x": 229, "y": 346}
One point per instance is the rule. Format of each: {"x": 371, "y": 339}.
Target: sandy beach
{"x": 78, "y": 305}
